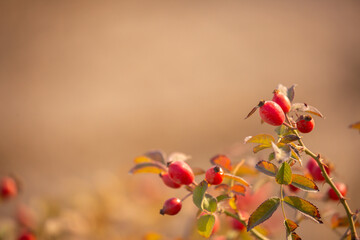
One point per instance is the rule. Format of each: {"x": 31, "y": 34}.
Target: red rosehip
{"x": 27, "y": 236}
{"x": 293, "y": 188}
{"x": 305, "y": 123}
{"x": 171, "y": 206}
{"x": 342, "y": 189}
{"x": 181, "y": 173}
{"x": 315, "y": 170}
{"x": 237, "y": 225}
{"x": 282, "y": 100}
{"x": 214, "y": 175}
{"x": 167, "y": 180}
{"x": 271, "y": 113}
{"x": 8, "y": 187}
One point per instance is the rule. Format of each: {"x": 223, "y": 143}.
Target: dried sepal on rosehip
{"x": 305, "y": 124}
{"x": 181, "y": 173}
{"x": 168, "y": 182}
{"x": 8, "y": 187}
{"x": 283, "y": 101}
{"x": 342, "y": 189}
{"x": 171, "y": 207}
{"x": 214, "y": 175}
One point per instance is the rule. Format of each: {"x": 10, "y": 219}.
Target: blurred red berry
{"x": 181, "y": 173}
{"x": 237, "y": 225}
{"x": 282, "y": 100}
{"x": 271, "y": 113}
{"x": 8, "y": 187}
{"x": 27, "y": 236}
{"x": 315, "y": 170}
{"x": 342, "y": 189}
{"x": 214, "y": 175}
{"x": 171, "y": 206}
{"x": 168, "y": 182}
{"x": 305, "y": 124}
{"x": 293, "y": 188}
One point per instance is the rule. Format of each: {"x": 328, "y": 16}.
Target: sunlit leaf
{"x": 291, "y": 92}
{"x": 258, "y": 148}
{"x": 222, "y": 161}
{"x": 284, "y": 175}
{"x": 152, "y": 236}
{"x": 245, "y": 170}
{"x": 209, "y": 203}
{"x": 289, "y": 138}
{"x": 290, "y": 225}
{"x": 305, "y": 207}
{"x": 142, "y": 159}
{"x": 237, "y": 179}
{"x": 148, "y": 167}
{"x": 232, "y": 202}
{"x": 205, "y": 225}
{"x": 303, "y": 107}
{"x": 263, "y": 139}
{"x": 281, "y": 153}
{"x": 222, "y": 197}
{"x": 337, "y": 221}
{"x": 282, "y": 130}
{"x": 199, "y": 194}
{"x": 238, "y": 189}
{"x": 355, "y": 126}
{"x": 156, "y": 155}
{"x": 304, "y": 183}
{"x": 267, "y": 168}
{"x": 294, "y": 236}
{"x": 178, "y": 156}
{"x": 263, "y": 212}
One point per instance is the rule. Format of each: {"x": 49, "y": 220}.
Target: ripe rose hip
{"x": 8, "y": 187}
{"x": 27, "y": 236}
{"x": 342, "y": 189}
{"x": 237, "y": 225}
{"x": 315, "y": 170}
{"x": 181, "y": 173}
{"x": 214, "y": 175}
{"x": 305, "y": 123}
{"x": 282, "y": 100}
{"x": 293, "y": 188}
{"x": 271, "y": 113}
{"x": 171, "y": 206}
{"x": 168, "y": 182}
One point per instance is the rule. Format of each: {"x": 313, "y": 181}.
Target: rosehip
{"x": 237, "y": 225}
{"x": 214, "y": 175}
{"x": 171, "y": 206}
{"x": 8, "y": 187}
{"x": 181, "y": 173}
{"x": 168, "y": 182}
{"x": 342, "y": 189}
{"x": 271, "y": 113}
{"x": 305, "y": 123}
{"x": 27, "y": 236}
{"x": 282, "y": 100}
{"x": 315, "y": 170}
{"x": 293, "y": 188}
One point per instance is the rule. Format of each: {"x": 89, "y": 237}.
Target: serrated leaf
{"x": 178, "y": 156}
{"x": 156, "y": 155}
{"x": 267, "y": 168}
{"x": 222, "y": 161}
{"x": 199, "y": 194}
{"x": 262, "y": 139}
{"x": 289, "y": 138}
{"x": 284, "y": 175}
{"x": 148, "y": 167}
{"x": 205, "y": 225}
{"x": 209, "y": 203}
{"x": 263, "y": 212}
{"x": 291, "y": 92}
{"x": 303, "y": 107}
{"x": 295, "y": 236}
{"x": 222, "y": 197}
{"x": 281, "y": 153}
{"x": 237, "y": 179}
{"x": 304, "y": 206}
{"x": 290, "y": 225}
{"x": 304, "y": 183}
{"x": 238, "y": 189}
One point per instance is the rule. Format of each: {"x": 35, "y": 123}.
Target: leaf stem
{"x": 257, "y": 234}
{"x": 343, "y": 201}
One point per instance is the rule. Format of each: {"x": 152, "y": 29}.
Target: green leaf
{"x": 205, "y": 225}
{"x": 148, "y": 167}
{"x": 284, "y": 175}
{"x": 199, "y": 194}
{"x": 267, "y": 168}
{"x": 283, "y": 153}
{"x": 222, "y": 197}
{"x": 282, "y": 130}
{"x": 304, "y": 183}
{"x": 264, "y": 141}
{"x": 263, "y": 212}
{"x": 289, "y": 138}
{"x": 290, "y": 225}
{"x": 271, "y": 156}
{"x": 305, "y": 207}
{"x": 209, "y": 203}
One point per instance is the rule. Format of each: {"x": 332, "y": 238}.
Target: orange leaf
{"x": 223, "y": 161}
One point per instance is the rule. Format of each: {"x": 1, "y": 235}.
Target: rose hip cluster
{"x": 180, "y": 173}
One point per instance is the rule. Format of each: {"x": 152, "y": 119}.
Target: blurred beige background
{"x": 86, "y": 86}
